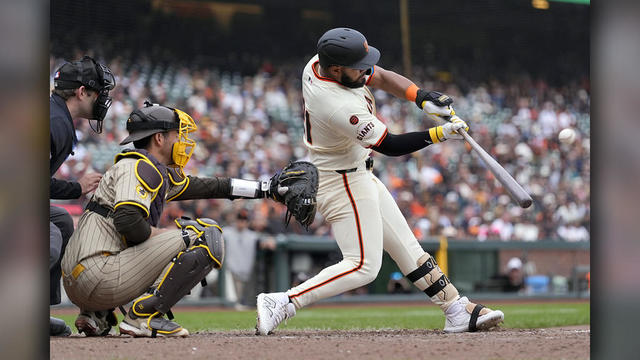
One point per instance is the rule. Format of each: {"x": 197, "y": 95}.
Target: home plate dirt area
{"x": 551, "y": 343}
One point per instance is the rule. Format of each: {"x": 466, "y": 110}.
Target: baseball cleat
{"x": 96, "y": 323}
{"x": 272, "y": 310}
{"x": 464, "y": 315}
{"x": 57, "y": 327}
{"x": 151, "y": 326}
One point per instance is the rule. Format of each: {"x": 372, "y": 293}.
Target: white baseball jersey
{"x": 340, "y": 129}
{"x": 339, "y": 123}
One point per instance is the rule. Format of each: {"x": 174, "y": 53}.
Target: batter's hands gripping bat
{"x": 515, "y": 190}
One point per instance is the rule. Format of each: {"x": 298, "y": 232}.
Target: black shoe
{"x": 57, "y": 327}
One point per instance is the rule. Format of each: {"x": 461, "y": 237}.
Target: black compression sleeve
{"x": 396, "y": 145}
{"x": 207, "y": 188}
{"x": 130, "y": 222}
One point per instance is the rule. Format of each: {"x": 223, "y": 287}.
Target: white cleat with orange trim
{"x": 273, "y": 308}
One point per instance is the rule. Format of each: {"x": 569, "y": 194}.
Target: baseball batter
{"x": 341, "y": 129}
{"x": 117, "y": 253}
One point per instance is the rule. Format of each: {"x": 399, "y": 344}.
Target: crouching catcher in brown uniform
{"x": 118, "y": 255}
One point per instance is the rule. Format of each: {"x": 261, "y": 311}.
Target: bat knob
{"x": 525, "y": 203}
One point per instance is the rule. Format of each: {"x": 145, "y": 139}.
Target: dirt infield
{"x": 552, "y": 343}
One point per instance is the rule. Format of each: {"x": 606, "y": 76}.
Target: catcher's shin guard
{"x": 187, "y": 269}
{"x": 439, "y": 287}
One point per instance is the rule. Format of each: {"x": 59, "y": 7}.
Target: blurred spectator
{"x": 241, "y": 245}
{"x": 573, "y": 232}
{"x": 512, "y": 280}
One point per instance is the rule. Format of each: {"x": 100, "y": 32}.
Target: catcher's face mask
{"x": 183, "y": 149}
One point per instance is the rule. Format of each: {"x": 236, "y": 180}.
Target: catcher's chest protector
{"x": 153, "y": 175}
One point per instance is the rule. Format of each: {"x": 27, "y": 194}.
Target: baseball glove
{"x": 296, "y": 186}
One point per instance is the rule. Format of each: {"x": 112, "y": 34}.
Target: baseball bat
{"x": 515, "y": 190}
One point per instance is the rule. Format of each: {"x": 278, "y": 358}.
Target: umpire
{"x": 81, "y": 90}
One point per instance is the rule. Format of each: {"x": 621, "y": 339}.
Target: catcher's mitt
{"x": 296, "y": 186}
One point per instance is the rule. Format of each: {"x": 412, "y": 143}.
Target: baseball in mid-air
{"x": 567, "y": 136}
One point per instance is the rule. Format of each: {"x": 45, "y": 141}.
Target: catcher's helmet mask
{"x": 154, "y": 118}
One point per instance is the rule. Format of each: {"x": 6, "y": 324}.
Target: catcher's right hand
{"x": 296, "y": 186}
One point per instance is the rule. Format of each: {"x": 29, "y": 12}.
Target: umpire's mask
{"x": 154, "y": 118}
{"x": 93, "y": 75}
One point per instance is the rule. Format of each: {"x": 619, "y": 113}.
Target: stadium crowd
{"x": 249, "y": 126}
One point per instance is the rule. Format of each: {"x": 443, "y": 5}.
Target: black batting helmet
{"x": 346, "y": 47}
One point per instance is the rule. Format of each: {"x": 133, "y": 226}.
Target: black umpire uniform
{"x": 63, "y": 139}
{"x": 97, "y": 77}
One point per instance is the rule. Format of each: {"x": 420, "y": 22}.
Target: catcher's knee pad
{"x": 187, "y": 270}
{"x": 439, "y": 287}
{"x": 212, "y": 240}
{"x": 198, "y": 225}
{"x": 209, "y": 236}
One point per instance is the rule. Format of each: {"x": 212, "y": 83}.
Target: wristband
{"x": 245, "y": 188}
{"x": 436, "y": 134}
{"x": 411, "y": 92}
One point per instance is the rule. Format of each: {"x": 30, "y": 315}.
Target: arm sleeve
{"x": 203, "y": 188}
{"x": 358, "y": 124}
{"x": 396, "y": 145}
{"x": 130, "y": 222}
{"x": 61, "y": 189}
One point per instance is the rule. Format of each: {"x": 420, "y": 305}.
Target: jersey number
{"x": 307, "y": 127}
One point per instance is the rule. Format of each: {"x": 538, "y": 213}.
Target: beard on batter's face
{"x": 353, "y": 84}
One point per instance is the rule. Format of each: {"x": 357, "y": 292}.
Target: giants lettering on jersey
{"x": 364, "y": 130}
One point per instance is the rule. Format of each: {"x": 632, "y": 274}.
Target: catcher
{"x": 117, "y": 253}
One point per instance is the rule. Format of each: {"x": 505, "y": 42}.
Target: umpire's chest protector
{"x": 153, "y": 176}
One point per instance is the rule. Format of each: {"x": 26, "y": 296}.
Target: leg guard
{"x": 185, "y": 271}
{"x": 439, "y": 287}
{"x": 188, "y": 268}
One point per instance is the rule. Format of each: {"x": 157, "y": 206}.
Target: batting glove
{"x": 447, "y": 131}
{"x": 450, "y": 129}
{"x": 436, "y": 113}
{"x": 434, "y": 103}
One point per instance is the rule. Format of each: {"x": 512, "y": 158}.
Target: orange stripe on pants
{"x": 355, "y": 211}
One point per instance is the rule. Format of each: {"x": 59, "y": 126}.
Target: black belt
{"x": 97, "y": 208}
{"x": 368, "y": 164}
